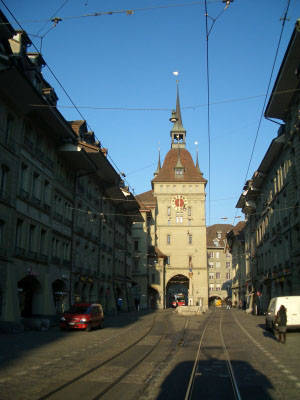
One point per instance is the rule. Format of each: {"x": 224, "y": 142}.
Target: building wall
{"x": 63, "y": 238}
{"x": 185, "y": 246}
{"x": 219, "y": 272}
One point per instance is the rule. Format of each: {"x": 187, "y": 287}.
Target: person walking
{"x": 281, "y": 320}
{"x": 119, "y": 304}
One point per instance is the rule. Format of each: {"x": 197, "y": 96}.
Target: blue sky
{"x": 112, "y": 64}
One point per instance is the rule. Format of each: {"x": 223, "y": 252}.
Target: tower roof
{"x": 167, "y": 171}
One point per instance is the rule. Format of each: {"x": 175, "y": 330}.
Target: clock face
{"x": 179, "y": 202}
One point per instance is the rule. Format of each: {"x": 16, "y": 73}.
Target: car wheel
{"x": 267, "y": 326}
{"x": 89, "y": 328}
{"x": 101, "y": 326}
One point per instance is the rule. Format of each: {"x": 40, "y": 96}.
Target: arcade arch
{"x": 59, "y": 292}
{"x": 177, "y": 284}
{"x": 29, "y": 290}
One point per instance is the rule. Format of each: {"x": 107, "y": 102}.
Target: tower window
{"x": 168, "y": 239}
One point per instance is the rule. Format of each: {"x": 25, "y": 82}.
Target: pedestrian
{"x": 281, "y": 320}
{"x": 137, "y": 304}
{"x": 119, "y": 304}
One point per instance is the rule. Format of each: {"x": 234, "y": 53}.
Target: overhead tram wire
{"x": 122, "y": 11}
{"x": 52, "y": 16}
{"x": 208, "y": 106}
{"x": 266, "y": 95}
{"x": 191, "y": 107}
{"x": 61, "y": 86}
{"x": 208, "y": 31}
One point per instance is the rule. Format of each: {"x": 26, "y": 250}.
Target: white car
{"x": 292, "y": 304}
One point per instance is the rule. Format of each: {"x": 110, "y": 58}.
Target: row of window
{"x": 216, "y": 254}
{"x": 189, "y": 212}
{"x": 179, "y": 187}
{"x": 180, "y": 220}
{"x": 216, "y": 287}
{"x": 36, "y": 239}
{"x": 218, "y": 275}
{"x": 189, "y": 239}
{"x": 218, "y": 264}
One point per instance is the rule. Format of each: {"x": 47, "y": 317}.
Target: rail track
{"x": 136, "y": 359}
{"x": 211, "y": 349}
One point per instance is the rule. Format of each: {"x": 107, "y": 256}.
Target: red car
{"x": 83, "y": 316}
{"x": 178, "y": 300}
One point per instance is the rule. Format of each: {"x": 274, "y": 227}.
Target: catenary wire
{"x": 122, "y": 11}
{"x": 208, "y": 31}
{"x": 192, "y": 107}
{"x": 267, "y": 92}
{"x": 52, "y": 16}
{"x": 64, "y": 90}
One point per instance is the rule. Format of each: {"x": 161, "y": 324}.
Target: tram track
{"x": 204, "y": 350}
{"x": 60, "y": 391}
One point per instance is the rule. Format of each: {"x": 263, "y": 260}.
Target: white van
{"x": 292, "y": 304}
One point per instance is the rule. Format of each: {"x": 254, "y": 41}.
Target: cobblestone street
{"x": 34, "y": 363}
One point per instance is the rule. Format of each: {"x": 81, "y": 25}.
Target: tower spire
{"x": 178, "y": 133}
{"x": 158, "y": 164}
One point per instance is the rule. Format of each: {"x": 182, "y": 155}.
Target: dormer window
{"x": 216, "y": 242}
{"x": 179, "y": 171}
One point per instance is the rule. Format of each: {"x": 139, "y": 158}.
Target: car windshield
{"x": 79, "y": 310}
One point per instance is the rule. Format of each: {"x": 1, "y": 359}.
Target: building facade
{"x": 65, "y": 215}
{"x": 177, "y": 229}
{"x": 219, "y": 262}
{"x": 270, "y": 200}
{"x": 235, "y": 243}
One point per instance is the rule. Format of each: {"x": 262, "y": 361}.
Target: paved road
{"x": 32, "y": 364}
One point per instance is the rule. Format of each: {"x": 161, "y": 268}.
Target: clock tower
{"x": 179, "y": 232}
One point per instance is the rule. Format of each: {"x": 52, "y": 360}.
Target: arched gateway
{"x": 177, "y": 284}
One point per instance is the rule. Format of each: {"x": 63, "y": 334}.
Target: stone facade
{"x": 235, "y": 244}
{"x": 219, "y": 262}
{"x": 65, "y": 215}
{"x": 176, "y": 226}
{"x": 270, "y": 200}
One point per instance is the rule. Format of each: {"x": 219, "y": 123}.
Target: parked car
{"x": 83, "y": 316}
{"x": 292, "y": 304}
